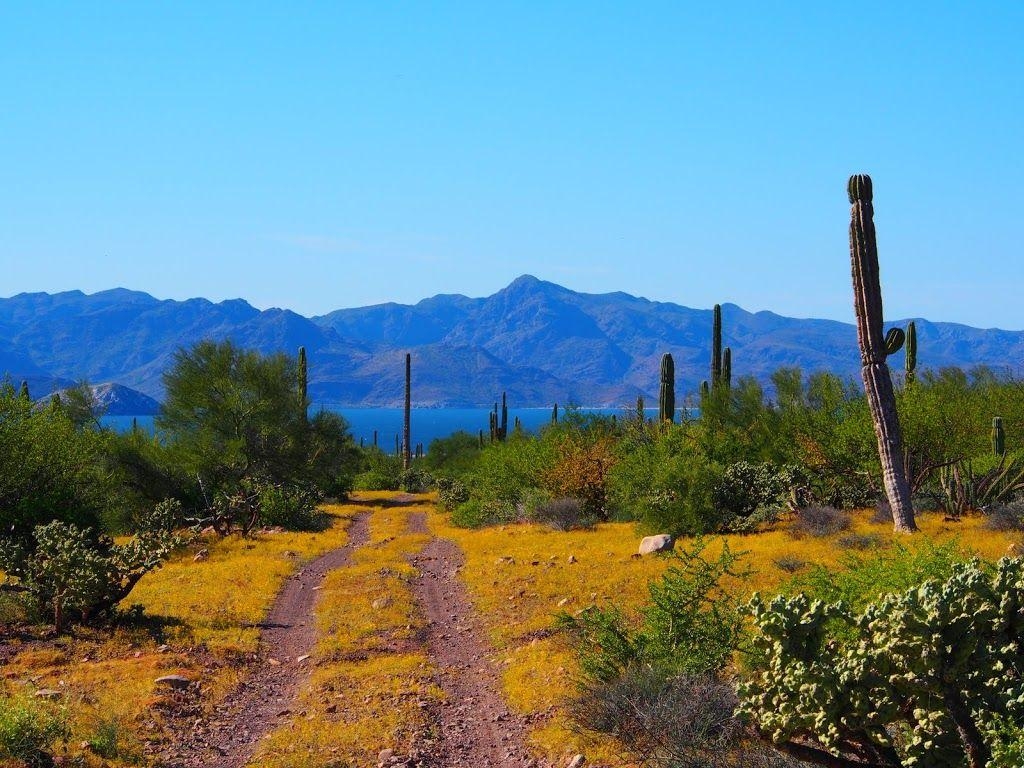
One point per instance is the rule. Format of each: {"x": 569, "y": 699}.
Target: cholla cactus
{"x": 935, "y": 664}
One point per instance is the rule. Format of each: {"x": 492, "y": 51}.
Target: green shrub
{"x": 415, "y": 480}
{"x": 293, "y": 508}
{"x": 935, "y": 664}
{"x": 450, "y": 492}
{"x": 29, "y": 730}
{"x": 382, "y": 472}
{"x": 476, "y": 513}
{"x": 108, "y": 740}
{"x": 691, "y": 624}
{"x": 69, "y": 572}
{"x": 745, "y": 487}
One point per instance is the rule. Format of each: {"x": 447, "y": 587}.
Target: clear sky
{"x": 324, "y": 155}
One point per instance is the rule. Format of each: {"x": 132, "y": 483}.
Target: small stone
{"x": 202, "y": 554}
{"x": 177, "y": 682}
{"x": 302, "y": 658}
{"x": 47, "y": 693}
{"x": 563, "y": 602}
{"x": 163, "y": 648}
{"x": 385, "y": 755}
{"x": 274, "y": 662}
{"x": 572, "y": 559}
{"x": 576, "y": 762}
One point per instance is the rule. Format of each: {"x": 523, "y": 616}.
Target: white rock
{"x": 660, "y": 543}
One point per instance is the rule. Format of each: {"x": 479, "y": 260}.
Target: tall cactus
{"x": 667, "y": 394}
{"x": 554, "y": 414}
{"x": 406, "y": 458}
{"x": 504, "y": 416}
{"x": 727, "y": 367}
{"x": 640, "y": 418}
{"x": 303, "y": 382}
{"x": 874, "y": 348}
{"x": 910, "y": 353}
{"x": 716, "y": 346}
{"x": 998, "y": 437}
{"x": 24, "y": 391}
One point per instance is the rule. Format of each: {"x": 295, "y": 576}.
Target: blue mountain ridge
{"x": 540, "y": 342}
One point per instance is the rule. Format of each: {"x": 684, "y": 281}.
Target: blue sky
{"x": 340, "y": 154}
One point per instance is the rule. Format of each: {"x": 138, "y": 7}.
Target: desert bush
{"x": 819, "y": 521}
{"x": 579, "y": 472}
{"x": 476, "y": 513}
{"x": 415, "y": 480}
{"x": 882, "y": 513}
{"x": 935, "y": 663}
{"x": 862, "y": 578}
{"x": 666, "y": 484}
{"x": 382, "y": 472}
{"x": 455, "y": 455}
{"x": 682, "y": 721}
{"x": 563, "y": 515}
{"x": 859, "y": 541}
{"x": 109, "y": 740}
{"x": 28, "y": 731}
{"x": 69, "y": 572}
{"x": 690, "y": 625}
{"x": 294, "y": 508}
{"x": 790, "y": 563}
{"x": 1005, "y": 517}
{"x": 451, "y": 492}
{"x": 974, "y": 485}
{"x": 745, "y": 487}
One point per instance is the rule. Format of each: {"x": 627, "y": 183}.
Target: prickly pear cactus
{"x": 936, "y": 664}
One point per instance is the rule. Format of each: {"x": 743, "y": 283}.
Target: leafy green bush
{"x": 382, "y": 472}
{"x": 28, "y": 731}
{"x": 476, "y": 513}
{"x": 450, "y": 492}
{"x": 935, "y": 664}
{"x": 455, "y": 455}
{"x": 745, "y": 487}
{"x": 294, "y": 508}
{"x": 691, "y": 624}
{"x": 416, "y": 480}
{"x": 69, "y": 572}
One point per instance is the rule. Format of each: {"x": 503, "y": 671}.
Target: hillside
{"x": 537, "y": 340}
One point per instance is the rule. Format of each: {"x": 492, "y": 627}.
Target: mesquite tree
{"x": 874, "y": 348}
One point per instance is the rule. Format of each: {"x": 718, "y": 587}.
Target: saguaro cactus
{"x": 406, "y": 458}
{"x": 667, "y": 395}
{"x": 874, "y": 348}
{"x": 303, "y": 382}
{"x": 504, "y": 416}
{"x": 24, "y": 391}
{"x": 640, "y": 418}
{"x": 554, "y": 414}
{"x": 727, "y": 367}
{"x": 716, "y": 346}
{"x": 910, "y": 353}
{"x": 998, "y": 437}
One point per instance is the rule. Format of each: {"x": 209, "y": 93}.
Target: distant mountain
{"x": 538, "y": 341}
{"x": 117, "y": 400}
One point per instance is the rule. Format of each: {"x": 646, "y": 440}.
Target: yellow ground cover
{"x": 370, "y": 676}
{"x": 520, "y": 576}
{"x": 106, "y": 677}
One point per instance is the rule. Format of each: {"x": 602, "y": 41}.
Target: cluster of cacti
{"x": 875, "y": 347}
{"x": 667, "y": 394}
{"x": 499, "y": 421}
{"x": 998, "y": 437}
{"x": 406, "y": 458}
{"x": 721, "y": 359}
{"x": 910, "y": 353}
{"x": 517, "y": 426}
{"x": 420, "y": 453}
{"x": 932, "y": 665}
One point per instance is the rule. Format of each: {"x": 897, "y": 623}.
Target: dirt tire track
{"x": 230, "y": 735}
{"x": 473, "y": 726}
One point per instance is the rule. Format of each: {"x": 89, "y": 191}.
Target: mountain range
{"x": 538, "y": 341}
